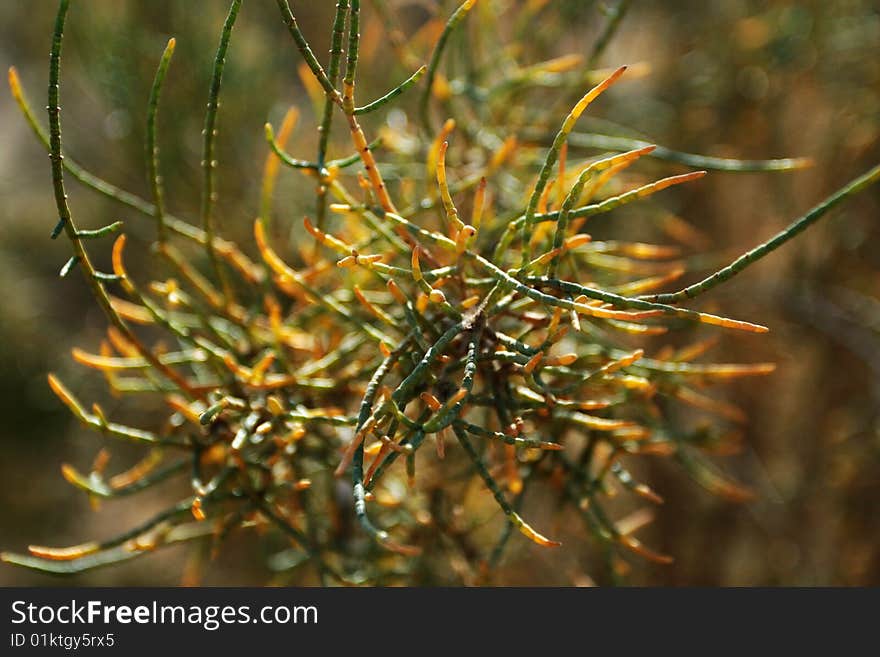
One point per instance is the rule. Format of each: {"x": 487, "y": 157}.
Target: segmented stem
{"x": 614, "y": 143}
{"x": 306, "y": 51}
{"x": 797, "y": 226}
{"x": 493, "y": 486}
{"x": 332, "y": 75}
{"x": 152, "y": 147}
{"x": 411, "y": 81}
{"x": 65, "y": 218}
{"x": 553, "y": 155}
{"x": 564, "y": 212}
{"x": 457, "y": 16}
{"x": 329, "y": 102}
{"x": 209, "y": 163}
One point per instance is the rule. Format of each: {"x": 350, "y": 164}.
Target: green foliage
{"x": 395, "y": 331}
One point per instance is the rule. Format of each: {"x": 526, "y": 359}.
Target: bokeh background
{"x": 730, "y": 78}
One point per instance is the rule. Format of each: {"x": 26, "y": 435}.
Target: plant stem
{"x": 797, "y": 226}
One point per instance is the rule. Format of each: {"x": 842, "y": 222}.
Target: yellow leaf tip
{"x": 65, "y": 553}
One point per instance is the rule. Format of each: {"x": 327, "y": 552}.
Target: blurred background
{"x": 742, "y": 79}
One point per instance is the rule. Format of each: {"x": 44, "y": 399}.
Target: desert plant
{"x": 447, "y": 296}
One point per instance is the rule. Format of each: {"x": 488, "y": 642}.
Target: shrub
{"x": 444, "y": 333}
